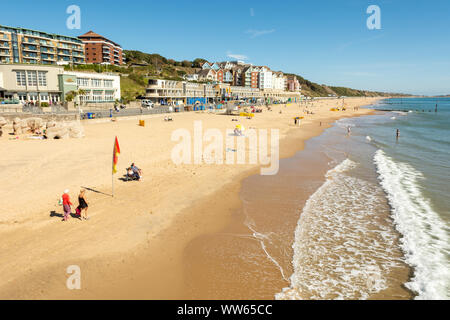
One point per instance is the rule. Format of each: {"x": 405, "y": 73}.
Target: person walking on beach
{"x": 83, "y": 205}
{"x": 66, "y": 205}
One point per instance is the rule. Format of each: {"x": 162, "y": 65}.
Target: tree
{"x": 186, "y": 63}
{"x": 197, "y": 63}
{"x": 70, "y": 96}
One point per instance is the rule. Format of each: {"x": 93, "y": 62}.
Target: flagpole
{"x": 116, "y": 151}
{"x": 112, "y": 171}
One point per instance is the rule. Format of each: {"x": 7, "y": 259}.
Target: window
{"x": 109, "y": 95}
{"x": 108, "y": 83}
{"x": 42, "y": 78}
{"x": 83, "y": 82}
{"x": 44, "y": 96}
{"x": 22, "y": 96}
{"x": 21, "y": 79}
{"x": 96, "y": 83}
{"x": 98, "y": 96}
{"x": 32, "y": 78}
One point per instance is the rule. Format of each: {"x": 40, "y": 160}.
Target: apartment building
{"x": 166, "y": 91}
{"x": 100, "y": 50}
{"x": 265, "y": 79}
{"x": 279, "y": 81}
{"x": 20, "y": 45}
{"x": 250, "y": 77}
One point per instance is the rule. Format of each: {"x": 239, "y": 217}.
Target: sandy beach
{"x": 146, "y": 242}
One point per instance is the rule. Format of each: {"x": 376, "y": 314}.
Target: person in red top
{"x": 66, "y": 205}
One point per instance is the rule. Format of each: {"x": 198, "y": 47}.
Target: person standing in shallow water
{"x": 398, "y": 134}
{"x": 83, "y": 205}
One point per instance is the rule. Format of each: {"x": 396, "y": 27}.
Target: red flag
{"x": 116, "y": 153}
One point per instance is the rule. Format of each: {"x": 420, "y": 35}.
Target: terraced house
{"x": 19, "y": 45}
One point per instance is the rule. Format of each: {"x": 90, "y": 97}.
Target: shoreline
{"x": 172, "y": 236}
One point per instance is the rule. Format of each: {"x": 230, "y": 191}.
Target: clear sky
{"x": 324, "y": 41}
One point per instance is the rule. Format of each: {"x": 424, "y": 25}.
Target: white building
{"x": 265, "y": 79}
{"x": 279, "y": 81}
{"x": 191, "y": 77}
{"x": 98, "y": 87}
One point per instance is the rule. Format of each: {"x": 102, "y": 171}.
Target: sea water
{"x": 384, "y": 207}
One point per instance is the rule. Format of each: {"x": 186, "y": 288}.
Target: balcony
{"x": 30, "y": 49}
{"x": 44, "y": 50}
{"x": 30, "y": 56}
{"x": 48, "y": 58}
{"x": 4, "y": 54}
{"x": 151, "y": 93}
{"x": 67, "y": 54}
{"x": 153, "y": 84}
{"x": 29, "y": 41}
{"x": 49, "y": 45}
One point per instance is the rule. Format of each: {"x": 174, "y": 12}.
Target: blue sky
{"x": 324, "y": 41}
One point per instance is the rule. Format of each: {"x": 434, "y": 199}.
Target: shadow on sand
{"x": 54, "y": 214}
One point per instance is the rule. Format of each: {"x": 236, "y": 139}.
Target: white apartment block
{"x": 279, "y": 81}
{"x": 265, "y": 79}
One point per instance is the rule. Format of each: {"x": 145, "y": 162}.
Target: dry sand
{"x": 134, "y": 245}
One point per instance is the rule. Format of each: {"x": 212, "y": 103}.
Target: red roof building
{"x": 100, "y": 50}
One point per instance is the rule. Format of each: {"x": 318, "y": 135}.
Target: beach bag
{"x": 60, "y": 202}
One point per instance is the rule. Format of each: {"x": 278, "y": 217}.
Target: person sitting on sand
{"x": 83, "y": 205}
{"x": 137, "y": 173}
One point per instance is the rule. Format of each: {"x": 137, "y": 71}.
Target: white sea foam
{"x": 261, "y": 238}
{"x": 425, "y": 239}
{"x": 343, "y": 247}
